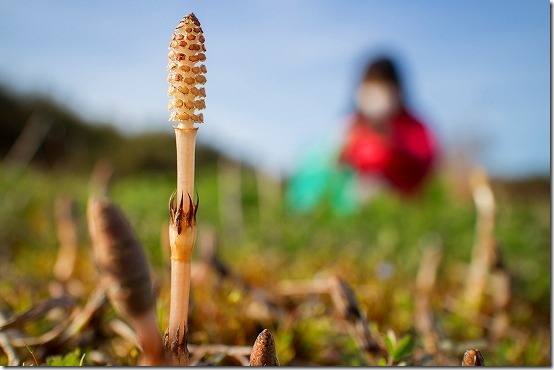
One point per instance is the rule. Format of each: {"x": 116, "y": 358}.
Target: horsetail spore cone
{"x": 186, "y": 73}
{"x": 186, "y": 78}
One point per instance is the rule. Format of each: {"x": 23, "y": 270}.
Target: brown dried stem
{"x": 484, "y": 252}
{"x": 100, "y": 177}
{"x": 11, "y": 354}
{"x": 37, "y": 312}
{"x": 425, "y": 283}
{"x": 67, "y": 333}
{"x": 501, "y": 286}
{"x": 67, "y": 232}
{"x": 346, "y": 303}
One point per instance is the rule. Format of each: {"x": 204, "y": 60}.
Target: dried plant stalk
{"x": 100, "y": 177}
{"x": 29, "y": 140}
{"x": 263, "y": 351}
{"x": 501, "y": 287}
{"x": 484, "y": 252}
{"x": 37, "y": 312}
{"x": 425, "y": 283}
{"x": 6, "y": 346}
{"x": 347, "y": 305}
{"x": 186, "y": 77}
{"x": 68, "y": 333}
{"x": 124, "y": 271}
{"x": 67, "y": 236}
{"x": 473, "y": 357}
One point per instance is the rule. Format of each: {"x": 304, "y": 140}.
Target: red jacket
{"x": 403, "y": 157}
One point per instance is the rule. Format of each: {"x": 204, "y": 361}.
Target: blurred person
{"x": 385, "y": 143}
{"x": 385, "y": 146}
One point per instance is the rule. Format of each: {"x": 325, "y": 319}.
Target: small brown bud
{"x": 263, "y": 351}
{"x": 473, "y": 357}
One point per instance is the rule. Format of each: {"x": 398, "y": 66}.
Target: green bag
{"x": 320, "y": 179}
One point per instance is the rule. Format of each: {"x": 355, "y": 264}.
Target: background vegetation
{"x": 377, "y": 250}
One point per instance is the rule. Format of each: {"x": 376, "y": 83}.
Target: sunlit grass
{"x": 376, "y": 250}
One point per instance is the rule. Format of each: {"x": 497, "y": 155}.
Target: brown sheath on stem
{"x": 182, "y": 236}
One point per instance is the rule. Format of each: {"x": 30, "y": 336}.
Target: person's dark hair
{"x": 382, "y": 69}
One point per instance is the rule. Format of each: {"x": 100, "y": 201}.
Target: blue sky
{"x": 281, "y": 73}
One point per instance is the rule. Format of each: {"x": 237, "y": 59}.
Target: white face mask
{"x": 376, "y": 100}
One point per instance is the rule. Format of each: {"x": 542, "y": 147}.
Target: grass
{"x": 376, "y": 250}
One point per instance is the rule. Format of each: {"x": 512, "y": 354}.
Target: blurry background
{"x": 282, "y": 73}
{"x": 83, "y": 97}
